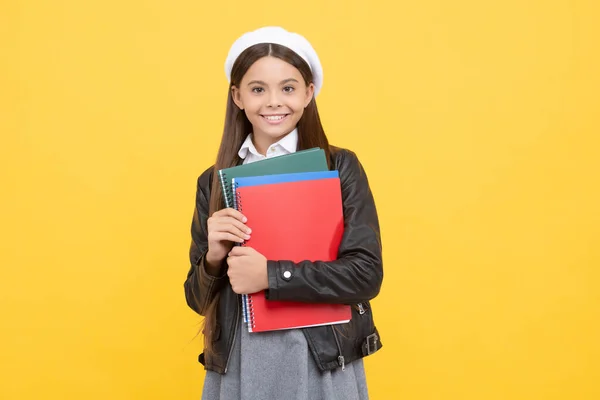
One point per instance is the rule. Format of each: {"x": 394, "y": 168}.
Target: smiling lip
{"x": 275, "y": 119}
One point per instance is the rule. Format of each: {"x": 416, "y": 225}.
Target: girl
{"x": 274, "y": 78}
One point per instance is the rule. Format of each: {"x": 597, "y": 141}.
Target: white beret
{"x": 277, "y": 35}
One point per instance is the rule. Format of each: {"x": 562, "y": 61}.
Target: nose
{"x": 273, "y": 100}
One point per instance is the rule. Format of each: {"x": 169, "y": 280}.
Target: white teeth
{"x": 274, "y": 117}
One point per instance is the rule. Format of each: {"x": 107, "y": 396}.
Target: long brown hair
{"x": 237, "y": 127}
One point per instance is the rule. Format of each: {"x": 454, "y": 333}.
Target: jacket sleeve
{"x": 357, "y": 274}
{"x": 200, "y": 287}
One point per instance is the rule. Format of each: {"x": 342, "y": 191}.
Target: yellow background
{"x": 477, "y": 122}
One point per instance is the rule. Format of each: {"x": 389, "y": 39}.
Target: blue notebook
{"x": 281, "y": 178}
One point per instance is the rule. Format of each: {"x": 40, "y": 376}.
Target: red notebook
{"x": 293, "y": 217}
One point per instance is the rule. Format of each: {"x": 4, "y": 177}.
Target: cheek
{"x": 298, "y": 104}
{"x": 251, "y": 102}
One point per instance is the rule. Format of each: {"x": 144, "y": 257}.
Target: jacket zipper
{"x": 361, "y": 309}
{"x": 237, "y": 317}
{"x": 341, "y": 361}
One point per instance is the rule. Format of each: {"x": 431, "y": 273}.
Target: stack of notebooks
{"x": 294, "y": 207}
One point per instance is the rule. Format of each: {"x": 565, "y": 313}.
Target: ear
{"x": 310, "y": 92}
{"x": 237, "y": 99}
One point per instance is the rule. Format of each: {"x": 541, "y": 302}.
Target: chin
{"x": 275, "y": 131}
{"x": 278, "y": 132}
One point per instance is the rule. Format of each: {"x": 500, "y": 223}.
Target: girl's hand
{"x": 225, "y": 227}
{"x": 247, "y": 270}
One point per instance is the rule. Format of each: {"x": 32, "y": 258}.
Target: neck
{"x": 263, "y": 142}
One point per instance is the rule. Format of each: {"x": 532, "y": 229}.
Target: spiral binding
{"x": 226, "y": 188}
{"x": 251, "y": 324}
{"x": 237, "y": 205}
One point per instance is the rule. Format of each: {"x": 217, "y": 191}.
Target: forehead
{"x": 271, "y": 69}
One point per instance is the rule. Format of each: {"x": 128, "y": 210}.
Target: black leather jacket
{"x": 354, "y": 278}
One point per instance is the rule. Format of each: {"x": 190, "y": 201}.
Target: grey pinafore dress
{"x": 278, "y": 365}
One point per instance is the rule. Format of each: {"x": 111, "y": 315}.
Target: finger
{"x": 232, "y": 221}
{"x": 233, "y": 263}
{"x": 230, "y": 275}
{"x": 229, "y": 228}
{"x": 238, "y": 251}
{"x": 236, "y": 289}
{"x": 231, "y": 212}
{"x": 220, "y": 236}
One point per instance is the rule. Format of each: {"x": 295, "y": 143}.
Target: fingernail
{"x": 245, "y": 219}
{"x": 247, "y": 237}
{"x": 248, "y": 231}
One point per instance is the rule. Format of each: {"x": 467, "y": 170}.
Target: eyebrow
{"x": 265, "y": 84}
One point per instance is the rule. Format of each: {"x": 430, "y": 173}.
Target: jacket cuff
{"x": 278, "y": 273}
{"x": 272, "y": 292}
{"x": 204, "y": 275}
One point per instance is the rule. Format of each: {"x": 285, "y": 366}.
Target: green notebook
{"x": 310, "y": 160}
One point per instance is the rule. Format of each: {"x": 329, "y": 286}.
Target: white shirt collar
{"x": 285, "y": 145}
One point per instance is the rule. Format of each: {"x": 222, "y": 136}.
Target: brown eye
{"x": 288, "y": 89}
{"x": 257, "y": 90}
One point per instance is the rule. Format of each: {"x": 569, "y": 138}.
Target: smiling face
{"x": 273, "y": 95}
